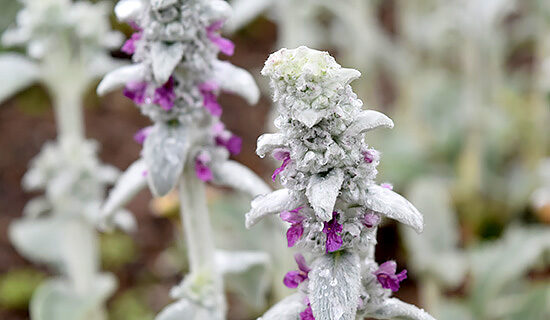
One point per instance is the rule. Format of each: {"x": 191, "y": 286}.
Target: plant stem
{"x": 68, "y": 114}
{"x": 198, "y": 234}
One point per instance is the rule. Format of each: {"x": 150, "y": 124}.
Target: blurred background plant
{"x": 66, "y": 49}
{"x": 466, "y": 83}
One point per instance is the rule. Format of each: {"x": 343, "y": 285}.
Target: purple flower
{"x": 387, "y": 277}
{"x": 141, "y": 135}
{"x": 371, "y": 155}
{"x": 134, "y": 26}
{"x": 137, "y": 92}
{"x": 294, "y": 278}
{"x": 165, "y": 95}
{"x": 225, "y": 45}
{"x": 210, "y": 100}
{"x": 307, "y": 314}
{"x": 387, "y": 185}
{"x": 296, "y": 230}
{"x": 283, "y": 155}
{"x": 129, "y": 46}
{"x": 331, "y": 229}
{"x": 371, "y": 220}
{"x": 201, "y": 169}
{"x": 233, "y": 144}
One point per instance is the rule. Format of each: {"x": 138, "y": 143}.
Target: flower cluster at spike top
{"x": 175, "y": 80}
{"x": 330, "y": 198}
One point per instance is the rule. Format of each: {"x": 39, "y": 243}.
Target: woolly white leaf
{"x": 38, "y": 240}
{"x": 233, "y": 174}
{"x": 436, "y": 250}
{"x": 368, "y": 120}
{"x": 36, "y": 207}
{"x": 218, "y": 10}
{"x": 186, "y": 309}
{"x": 287, "y": 309}
{"x": 237, "y": 262}
{"x": 236, "y": 80}
{"x": 165, "y": 59}
{"x": 396, "y": 309}
{"x": 394, "y": 206}
{"x": 323, "y": 191}
{"x": 165, "y": 152}
{"x": 245, "y": 11}
{"x": 268, "y": 142}
{"x": 272, "y": 203}
{"x": 16, "y": 73}
{"x": 132, "y": 181}
{"x": 120, "y": 77}
{"x": 310, "y": 117}
{"x": 346, "y": 75}
{"x": 58, "y": 299}
{"x": 128, "y": 10}
{"x": 334, "y": 286}
{"x": 162, "y": 4}
{"x": 124, "y": 220}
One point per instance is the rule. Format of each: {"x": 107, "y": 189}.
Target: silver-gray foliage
{"x": 330, "y": 195}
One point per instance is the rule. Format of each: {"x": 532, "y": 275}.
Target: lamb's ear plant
{"x": 497, "y": 286}
{"x": 330, "y": 199}
{"x": 175, "y": 80}
{"x": 67, "y": 48}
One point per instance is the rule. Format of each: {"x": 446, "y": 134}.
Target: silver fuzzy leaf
{"x": 368, "y": 120}
{"x": 132, "y": 181}
{"x": 323, "y": 191}
{"x": 334, "y": 286}
{"x": 236, "y": 80}
{"x": 233, "y": 174}
{"x": 396, "y": 309}
{"x": 287, "y": 309}
{"x": 165, "y": 151}
{"x": 120, "y": 77}
{"x": 162, "y": 4}
{"x": 394, "y": 206}
{"x": 187, "y": 309}
{"x": 268, "y": 142}
{"x": 165, "y": 59}
{"x": 272, "y": 203}
{"x": 128, "y": 10}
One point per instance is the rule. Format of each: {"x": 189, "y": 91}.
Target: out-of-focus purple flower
{"x": 387, "y": 277}
{"x": 137, "y": 92}
{"x": 233, "y": 144}
{"x": 283, "y": 155}
{"x": 296, "y": 230}
{"x": 142, "y": 134}
{"x": 129, "y": 46}
{"x": 210, "y": 100}
{"x": 165, "y": 95}
{"x": 201, "y": 167}
{"x": 371, "y": 220}
{"x": 331, "y": 229}
{"x": 387, "y": 185}
{"x": 294, "y": 278}
{"x": 307, "y": 314}
{"x": 134, "y": 26}
{"x": 225, "y": 45}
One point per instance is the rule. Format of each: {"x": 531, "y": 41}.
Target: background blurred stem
{"x": 430, "y": 294}
{"x": 198, "y": 235}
